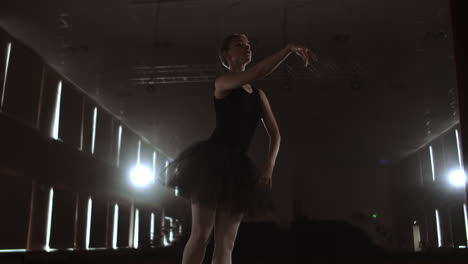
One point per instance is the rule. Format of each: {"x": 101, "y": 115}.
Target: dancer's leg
{"x": 225, "y": 232}
{"x": 202, "y": 224}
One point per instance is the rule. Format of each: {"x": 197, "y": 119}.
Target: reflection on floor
{"x": 320, "y": 242}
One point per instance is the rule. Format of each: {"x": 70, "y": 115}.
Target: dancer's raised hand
{"x": 303, "y": 52}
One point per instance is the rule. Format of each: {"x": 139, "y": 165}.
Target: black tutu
{"x": 215, "y": 175}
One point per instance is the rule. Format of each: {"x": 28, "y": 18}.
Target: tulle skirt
{"x": 215, "y": 175}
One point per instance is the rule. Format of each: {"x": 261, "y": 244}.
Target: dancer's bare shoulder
{"x": 231, "y": 80}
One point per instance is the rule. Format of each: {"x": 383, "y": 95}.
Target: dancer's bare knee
{"x": 202, "y": 224}
{"x": 200, "y": 238}
{"x": 226, "y": 227}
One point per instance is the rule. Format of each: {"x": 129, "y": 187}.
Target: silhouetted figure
{"x": 216, "y": 174}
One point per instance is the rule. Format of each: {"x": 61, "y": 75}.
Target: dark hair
{"x": 225, "y": 46}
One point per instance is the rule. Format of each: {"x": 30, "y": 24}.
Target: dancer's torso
{"x": 237, "y": 116}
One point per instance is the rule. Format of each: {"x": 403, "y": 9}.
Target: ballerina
{"x": 221, "y": 181}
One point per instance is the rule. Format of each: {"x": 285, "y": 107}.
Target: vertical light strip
{"x": 439, "y": 235}
{"x": 152, "y": 227}
{"x": 88, "y": 222}
{"x": 7, "y": 62}
{"x": 176, "y": 191}
{"x": 55, "y": 128}
{"x": 31, "y": 211}
{"x": 163, "y": 226}
{"x": 432, "y": 163}
{"x": 40, "y": 100}
{"x": 49, "y": 218}
{"x": 154, "y": 166}
{"x": 460, "y": 161}
{"x": 83, "y": 105}
{"x": 131, "y": 225}
{"x": 93, "y": 140}
{"x": 466, "y": 222}
{"x": 171, "y": 225}
{"x": 139, "y": 152}
{"x": 135, "y": 234}
{"x": 119, "y": 141}
{"x": 77, "y": 214}
{"x": 116, "y": 222}
{"x": 165, "y": 172}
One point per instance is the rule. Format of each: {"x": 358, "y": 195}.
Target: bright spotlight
{"x": 141, "y": 176}
{"x": 457, "y": 178}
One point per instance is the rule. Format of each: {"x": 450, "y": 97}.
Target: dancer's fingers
{"x": 303, "y": 54}
{"x": 305, "y": 57}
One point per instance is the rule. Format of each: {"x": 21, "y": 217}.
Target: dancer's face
{"x": 239, "y": 51}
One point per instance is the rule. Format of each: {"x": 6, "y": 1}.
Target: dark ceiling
{"x": 384, "y": 85}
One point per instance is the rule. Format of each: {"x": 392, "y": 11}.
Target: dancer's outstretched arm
{"x": 263, "y": 68}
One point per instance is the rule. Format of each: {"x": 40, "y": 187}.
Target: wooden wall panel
{"x": 70, "y": 115}
{"x": 425, "y": 163}
{"x": 144, "y": 229}
{"x": 98, "y": 224}
{"x": 128, "y": 152}
{"x": 115, "y": 142}
{"x": 4, "y": 40}
{"x": 439, "y": 160}
{"x": 23, "y": 83}
{"x": 39, "y": 217}
{"x": 48, "y": 100}
{"x": 103, "y": 137}
{"x": 88, "y": 125}
{"x": 123, "y": 227}
{"x": 15, "y": 197}
{"x": 458, "y": 225}
{"x": 63, "y": 220}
